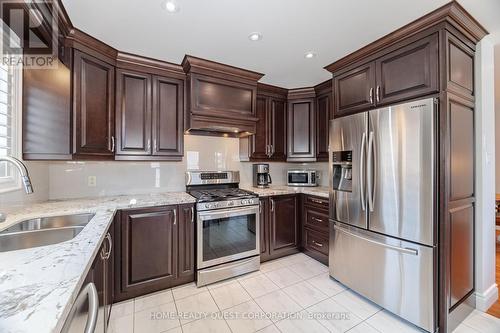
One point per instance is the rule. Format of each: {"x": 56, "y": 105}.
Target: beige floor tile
{"x": 278, "y": 305}
{"x": 156, "y": 319}
{"x": 123, "y": 324}
{"x": 122, "y": 309}
{"x": 309, "y": 269}
{"x": 195, "y": 307}
{"x": 155, "y": 299}
{"x": 363, "y": 328}
{"x": 386, "y": 322}
{"x": 246, "y": 318}
{"x": 187, "y": 290}
{"x": 301, "y": 323}
{"x": 482, "y": 322}
{"x": 283, "y": 277}
{"x": 305, "y": 294}
{"x": 338, "y": 319}
{"x": 327, "y": 284}
{"x": 230, "y": 295}
{"x": 259, "y": 285}
{"x": 359, "y": 305}
{"x": 272, "y": 265}
{"x": 269, "y": 329}
{"x": 207, "y": 325}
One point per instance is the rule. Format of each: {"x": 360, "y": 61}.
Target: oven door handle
{"x": 224, "y": 213}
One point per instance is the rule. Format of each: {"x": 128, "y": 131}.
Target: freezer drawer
{"x": 395, "y": 274}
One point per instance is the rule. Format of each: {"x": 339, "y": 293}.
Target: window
{"x": 10, "y": 88}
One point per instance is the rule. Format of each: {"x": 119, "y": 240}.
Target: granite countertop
{"x": 320, "y": 191}
{"x": 39, "y": 285}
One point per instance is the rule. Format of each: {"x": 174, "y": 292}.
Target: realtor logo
{"x": 29, "y": 33}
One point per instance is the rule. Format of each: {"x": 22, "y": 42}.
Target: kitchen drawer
{"x": 316, "y": 241}
{"x": 316, "y": 218}
{"x": 316, "y": 202}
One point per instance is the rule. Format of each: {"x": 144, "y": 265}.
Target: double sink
{"x": 43, "y": 231}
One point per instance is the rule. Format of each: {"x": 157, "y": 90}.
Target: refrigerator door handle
{"x": 370, "y": 178}
{"x": 362, "y": 172}
{"x": 405, "y": 250}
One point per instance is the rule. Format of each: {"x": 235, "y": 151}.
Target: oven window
{"x": 228, "y": 236}
{"x": 298, "y": 178}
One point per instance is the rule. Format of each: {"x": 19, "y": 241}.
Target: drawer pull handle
{"x": 317, "y": 244}
{"x": 317, "y": 201}
{"x": 316, "y": 219}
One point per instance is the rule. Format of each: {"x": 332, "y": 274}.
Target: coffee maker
{"x": 261, "y": 176}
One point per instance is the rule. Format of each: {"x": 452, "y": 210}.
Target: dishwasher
{"x": 83, "y": 315}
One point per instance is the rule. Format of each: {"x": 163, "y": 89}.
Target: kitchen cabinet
{"x": 409, "y": 71}
{"x": 264, "y": 229}
{"x": 279, "y": 226}
{"x": 324, "y": 113}
{"x": 284, "y": 225}
{"x": 93, "y": 107}
{"x": 187, "y": 256}
{"x": 269, "y": 141}
{"x": 301, "y": 126}
{"x": 155, "y": 249}
{"x": 354, "y": 90}
{"x": 315, "y": 227}
{"x": 149, "y": 116}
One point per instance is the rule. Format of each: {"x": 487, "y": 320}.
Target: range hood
{"x": 221, "y": 98}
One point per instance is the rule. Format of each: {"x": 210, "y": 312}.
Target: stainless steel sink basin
{"x": 42, "y": 231}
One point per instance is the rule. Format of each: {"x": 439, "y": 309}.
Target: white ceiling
{"x": 219, "y": 29}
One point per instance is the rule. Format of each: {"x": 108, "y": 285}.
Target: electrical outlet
{"x": 92, "y": 181}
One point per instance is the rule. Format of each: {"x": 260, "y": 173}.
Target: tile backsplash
{"x": 71, "y": 179}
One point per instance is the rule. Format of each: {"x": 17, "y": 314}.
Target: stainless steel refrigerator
{"x": 382, "y": 206}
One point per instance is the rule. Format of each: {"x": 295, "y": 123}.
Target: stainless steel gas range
{"x": 227, "y": 226}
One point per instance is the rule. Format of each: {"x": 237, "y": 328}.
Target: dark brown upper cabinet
{"x": 354, "y": 90}
{"x": 408, "y": 71}
{"x": 269, "y": 141}
{"x": 324, "y": 113}
{"x": 149, "y": 116}
{"x": 301, "y": 125}
{"x": 222, "y": 98}
{"x": 93, "y": 107}
{"x": 133, "y": 113}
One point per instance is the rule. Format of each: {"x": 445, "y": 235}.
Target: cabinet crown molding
{"x": 452, "y": 13}
{"x": 192, "y": 64}
{"x": 300, "y": 93}
{"x": 147, "y": 64}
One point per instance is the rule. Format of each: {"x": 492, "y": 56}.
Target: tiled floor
{"x": 286, "y": 295}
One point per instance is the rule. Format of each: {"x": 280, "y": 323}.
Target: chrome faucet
{"x": 25, "y": 177}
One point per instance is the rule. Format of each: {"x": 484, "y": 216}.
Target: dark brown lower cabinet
{"x": 315, "y": 227}
{"x": 279, "y": 234}
{"x": 156, "y": 249}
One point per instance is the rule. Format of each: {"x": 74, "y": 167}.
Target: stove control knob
{"x": 208, "y": 206}
{"x": 244, "y": 202}
{"x": 230, "y": 203}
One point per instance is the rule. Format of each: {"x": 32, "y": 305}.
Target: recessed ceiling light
{"x": 310, "y": 55}
{"x": 255, "y": 36}
{"x": 170, "y": 6}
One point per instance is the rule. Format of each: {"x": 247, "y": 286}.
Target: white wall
{"x": 497, "y": 115}
{"x": 69, "y": 179}
{"x": 486, "y": 288}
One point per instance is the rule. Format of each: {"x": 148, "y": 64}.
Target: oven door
{"x": 227, "y": 234}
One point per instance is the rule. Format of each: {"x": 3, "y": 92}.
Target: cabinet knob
{"x": 192, "y": 214}
{"x": 112, "y": 143}
{"x": 175, "y": 216}
{"x": 378, "y": 94}
{"x": 371, "y": 95}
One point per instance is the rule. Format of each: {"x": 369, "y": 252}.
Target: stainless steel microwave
{"x": 302, "y": 177}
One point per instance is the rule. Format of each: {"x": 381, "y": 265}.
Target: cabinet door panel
{"x": 278, "y": 129}
{"x": 186, "y": 241}
{"x": 264, "y": 229}
{"x": 149, "y": 250}
{"x": 259, "y": 141}
{"x": 301, "y": 131}
{"x": 93, "y": 101}
{"x": 284, "y": 224}
{"x": 133, "y": 113}
{"x": 352, "y": 90}
{"x": 323, "y": 116}
{"x": 168, "y": 105}
{"x": 408, "y": 72}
